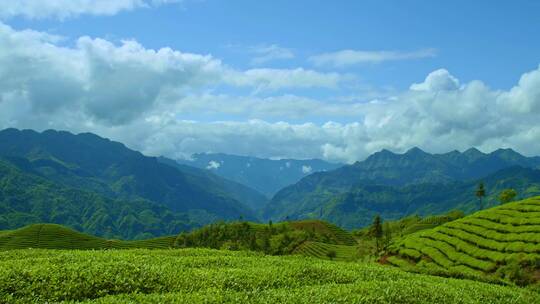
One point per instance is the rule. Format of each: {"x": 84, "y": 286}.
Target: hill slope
{"x": 87, "y": 162}
{"x": 242, "y": 193}
{"x": 267, "y": 176}
{"x": 52, "y": 236}
{"x": 277, "y": 239}
{"x": 355, "y": 206}
{"x": 502, "y": 242}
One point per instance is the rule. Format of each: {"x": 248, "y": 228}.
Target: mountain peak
{"x": 473, "y": 152}
{"x": 415, "y": 151}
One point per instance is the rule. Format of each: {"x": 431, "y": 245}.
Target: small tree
{"x": 507, "y": 195}
{"x": 387, "y": 232}
{"x": 331, "y": 254}
{"x": 480, "y": 193}
{"x": 376, "y": 231}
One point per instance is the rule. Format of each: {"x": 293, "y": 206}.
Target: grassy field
{"x": 51, "y": 236}
{"x": 502, "y": 242}
{"x": 213, "y": 276}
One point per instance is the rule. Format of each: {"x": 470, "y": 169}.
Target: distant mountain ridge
{"x": 395, "y": 185}
{"x": 267, "y": 176}
{"x": 109, "y": 170}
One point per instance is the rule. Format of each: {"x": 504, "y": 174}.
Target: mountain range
{"x": 395, "y": 185}
{"x": 101, "y": 187}
{"x": 78, "y": 171}
{"x": 267, "y": 176}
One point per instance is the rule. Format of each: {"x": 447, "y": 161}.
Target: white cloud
{"x": 306, "y": 169}
{"x": 143, "y": 97}
{"x": 62, "y": 9}
{"x": 272, "y": 79}
{"x": 115, "y": 84}
{"x": 213, "y": 165}
{"x": 266, "y": 53}
{"x": 353, "y": 57}
{"x": 439, "y": 80}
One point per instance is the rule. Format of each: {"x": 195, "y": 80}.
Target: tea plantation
{"x": 218, "y": 276}
{"x": 52, "y": 236}
{"x": 501, "y": 242}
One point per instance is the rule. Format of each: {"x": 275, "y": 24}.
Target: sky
{"x": 336, "y": 80}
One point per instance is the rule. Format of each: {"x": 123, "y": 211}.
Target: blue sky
{"x": 472, "y": 39}
{"x": 329, "y": 79}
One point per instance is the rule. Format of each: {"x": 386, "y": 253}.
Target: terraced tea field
{"x": 327, "y": 251}
{"x": 51, "y": 236}
{"x": 501, "y": 242}
{"x": 214, "y": 276}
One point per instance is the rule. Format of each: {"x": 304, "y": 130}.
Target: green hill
{"x": 52, "y": 236}
{"x": 355, "y": 206}
{"x": 501, "y": 242}
{"x": 27, "y": 198}
{"x": 93, "y": 163}
{"x": 277, "y": 239}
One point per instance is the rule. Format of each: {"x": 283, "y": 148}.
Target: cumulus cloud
{"x": 114, "y": 84}
{"x": 164, "y": 102}
{"x": 353, "y": 57}
{"x": 438, "y": 80}
{"x": 62, "y": 9}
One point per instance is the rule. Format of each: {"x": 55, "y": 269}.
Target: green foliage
{"x": 480, "y": 193}
{"x": 28, "y": 198}
{"x": 52, "y": 236}
{"x": 101, "y": 187}
{"x": 395, "y": 186}
{"x": 276, "y": 239}
{"x": 501, "y": 242}
{"x": 507, "y": 195}
{"x": 331, "y": 254}
{"x": 211, "y": 276}
{"x": 328, "y": 251}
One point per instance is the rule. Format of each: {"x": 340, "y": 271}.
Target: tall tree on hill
{"x": 376, "y": 231}
{"x": 480, "y": 193}
{"x": 507, "y": 195}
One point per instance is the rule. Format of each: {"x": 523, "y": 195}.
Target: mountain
{"x": 250, "y": 197}
{"x": 264, "y": 175}
{"x": 29, "y": 198}
{"x": 109, "y": 170}
{"x": 395, "y": 185}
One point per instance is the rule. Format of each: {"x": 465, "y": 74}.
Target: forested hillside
{"x": 101, "y": 187}
{"x": 396, "y": 185}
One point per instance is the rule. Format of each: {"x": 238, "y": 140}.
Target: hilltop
{"x": 277, "y": 239}
{"x": 296, "y": 237}
{"x": 52, "y": 236}
{"x": 501, "y": 242}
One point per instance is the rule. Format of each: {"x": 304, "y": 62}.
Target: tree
{"x": 376, "y": 231}
{"x": 331, "y": 254}
{"x": 387, "y": 232}
{"x": 507, "y": 195}
{"x": 480, "y": 193}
